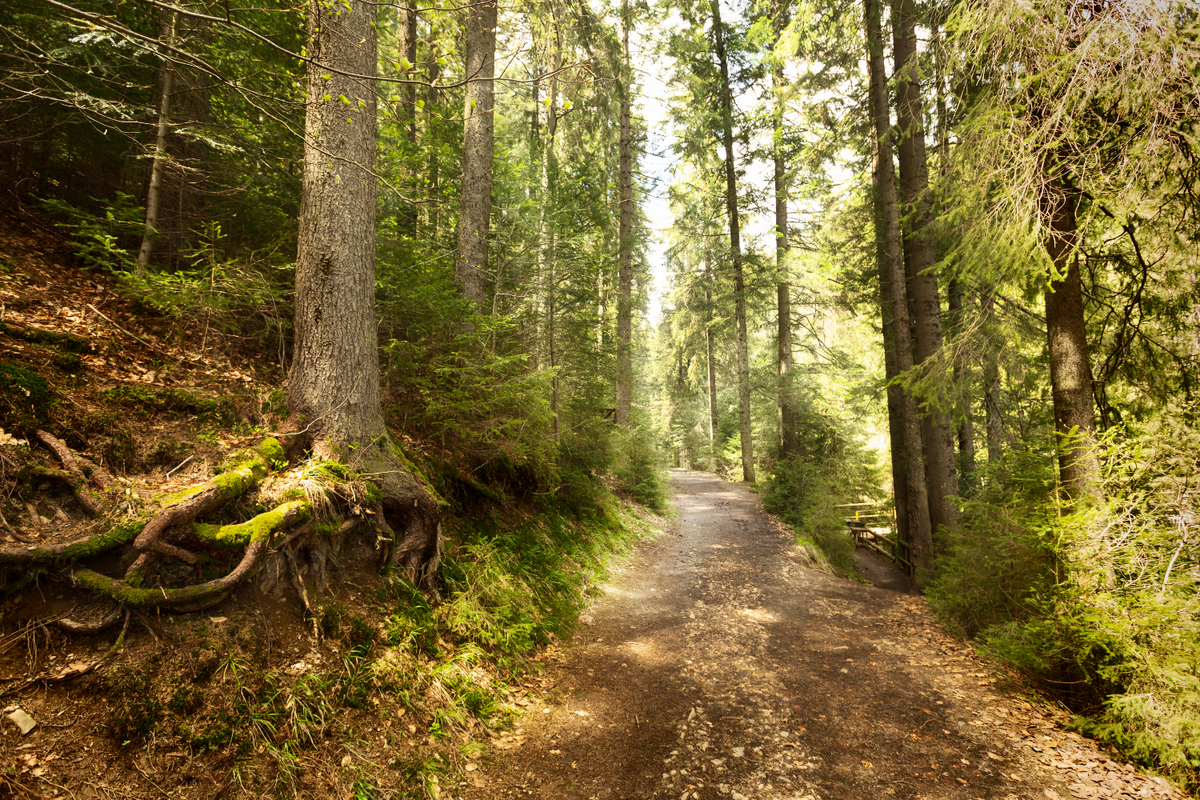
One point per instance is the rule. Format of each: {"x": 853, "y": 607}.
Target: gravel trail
{"x": 720, "y": 665}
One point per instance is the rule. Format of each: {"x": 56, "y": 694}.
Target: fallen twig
{"x": 127, "y": 333}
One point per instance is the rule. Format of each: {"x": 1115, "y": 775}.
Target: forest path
{"x": 719, "y": 665}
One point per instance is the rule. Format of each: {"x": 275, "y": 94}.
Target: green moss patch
{"x": 60, "y": 341}
{"x": 150, "y": 401}
{"x": 25, "y": 399}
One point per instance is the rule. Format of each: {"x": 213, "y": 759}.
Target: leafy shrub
{"x": 998, "y": 569}
{"x": 829, "y": 469}
{"x": 101, "y": 241}
{"x": 485, "y": 408}
{"x": 806, "y": 498}
{"x": 1099, "y": 603}
{"x": 638, "y": 470}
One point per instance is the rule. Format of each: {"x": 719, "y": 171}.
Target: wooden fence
{"x": 874, "y": 526}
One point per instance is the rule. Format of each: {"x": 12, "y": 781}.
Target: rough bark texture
{"x": 478, "y": 141}
{"x": 334, "y": 382}
{"x": 787, "y": 411}
{"x": 335, "y": 371}
{"x": 735, "y": 250}
{"x": 625, "y": 258}
{"x": 158, "y": 165}
{"x": 921, "y": 260}
{"x": 1070, "y": 370}
{"x": 908, "y": 459}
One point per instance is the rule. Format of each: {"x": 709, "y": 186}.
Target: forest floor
{"x": 719, "y": 664}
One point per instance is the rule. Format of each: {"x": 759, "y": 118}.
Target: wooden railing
{"x": 874, "y": 526}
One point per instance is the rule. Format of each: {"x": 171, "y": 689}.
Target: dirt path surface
{"x": 719, "y": 665}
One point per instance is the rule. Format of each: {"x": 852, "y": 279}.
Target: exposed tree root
{"x": 403, "y": 512}
{"x": 255, "y": 534}
{"x": 103, "y": 622}
{"x": 206, "y": 499}
{"x": 73, "y": 475}
{"x": 68, "y": 552}
{"x": 13, "y": 532}
{"x": 419, "y": 553}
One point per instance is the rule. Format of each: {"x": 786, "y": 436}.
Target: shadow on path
{"x": 719, "y": 665}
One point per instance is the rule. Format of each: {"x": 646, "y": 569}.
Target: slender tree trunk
{"x": 908, "y": 459}
{"x": 478, "y": 142}
{"x": 921, "y": 261}
{"x": 735, "y": 251}
{"x": 1070, "y": 370}
{"x": 991, "y": 390}
{"x": 158, "y": 165}
{"x": 712, "y": 373}
{"x": 408, "y": 49}
{"x": 787, "y": 411}
{"x": 966, "y": 432}
{"x": 434, "y": 199}
{"x": 625, "y": 258}
{"x": 550, "y": 202}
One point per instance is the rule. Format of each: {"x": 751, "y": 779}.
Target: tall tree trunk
{"x": 478, "y": 141}
{"x": 712, "y": 372}
{"x": 966, "y": 432}
{"x": 921, "y": 261}
{"x": 408, "y": 49}
{"x": 335, "y": 339}
{"x": 1070, "y": 370}
{"x": 908, "y": 459}
{"x": 333, "y": 388}
{"x": 787, "y": 411}
{"x": 625, "y": 258}
{"x": 735, "y": 250}
{"x": 991, "y": 387}
{"x": 434, "y": 199}
{"x": 548, "y": 230}
{"x": 159, "y": 164}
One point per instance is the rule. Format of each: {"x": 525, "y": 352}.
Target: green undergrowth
{"x": 26, "y": 399}
{"x": 436, "y": 677}
{"x": 829, "y": 468}
{"x": 1098, "y": 605}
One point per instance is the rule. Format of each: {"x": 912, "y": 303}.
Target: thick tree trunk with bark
{"x": 1070, "y": 369}
{"x": 921, "y": 260}
{"x": 478, "y": 142}
{"x": 735, "y": 250}
{"x": 625, "y": 257}
{"x": 334, "y": 382}
{"x": 908, "y": 460}
{"x": 159, "y": 164}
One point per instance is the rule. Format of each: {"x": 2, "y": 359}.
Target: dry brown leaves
{"x": 1035, "y": 729}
